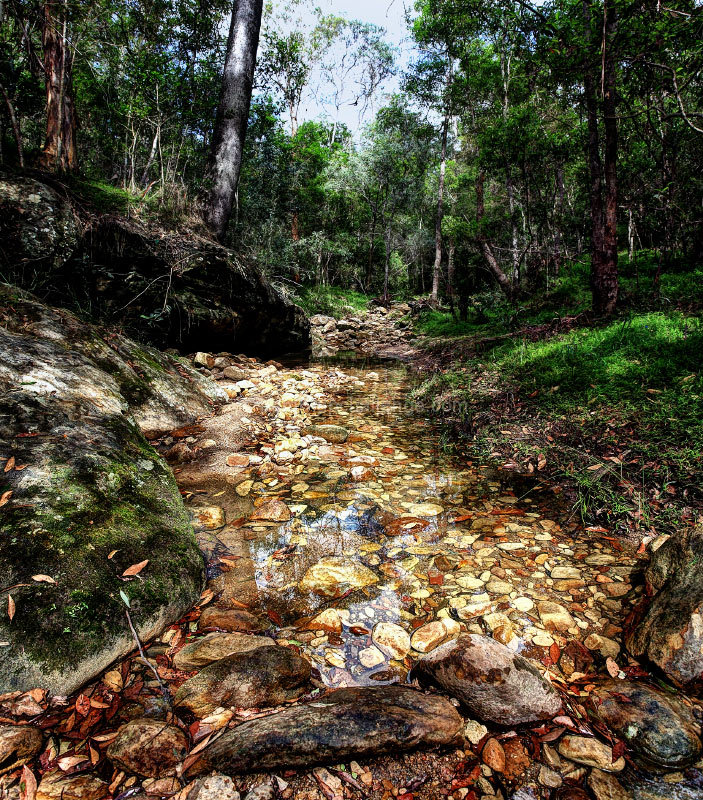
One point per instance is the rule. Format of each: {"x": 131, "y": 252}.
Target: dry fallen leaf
{"x": 68, "y": 762}
{"x": 612, "y": 667}
{"x": 5, "y": 497}
{"x": 83, "y": 705}
{"x": 111, "y": 554}
{"x": 10, "y": 607}
{"x": 28, "y": 784}
{"x": 10, "y": 464}
{"x": 135, "y": 569}
{"x": 43, "y": 579}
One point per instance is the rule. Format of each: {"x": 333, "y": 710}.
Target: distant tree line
{"x": 524, "y": 136}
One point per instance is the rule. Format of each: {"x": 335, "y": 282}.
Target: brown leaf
{"x": 10, "y": 464}
{"x": 111, "y": 554}
{"x": 618, "y": 750}
{"x": 83, "y": 705}
{"x": 554, "y": 652}
{"x": 135, "y": 569}
{"x": 5, "y": 498}
{"x": 612, "y": 667}
{"x": 28, "y": 784}
{"x": 43, "y": 578}
{"x": 68, "y": 762}
{"x": 10, "y": 607}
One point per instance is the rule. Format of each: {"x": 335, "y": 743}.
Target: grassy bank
{"x": 614, "y": 409}
{"x": 332, "y": 301}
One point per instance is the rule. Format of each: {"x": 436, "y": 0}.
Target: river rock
{"x": 267, "y": 676}
{"x": 230, "y": 619}
{"x": 357, "y": 722}
{"x": 591, "y": 752}
{"x": 605, "y": 786}
{"x": 333, "y": 575}
{"x": 148, "y": 747}
{"x": 274, "y": 510}
{"x": 335, "y": 434}
{"x": 670, "y": 633}
{"x": 327, "y": 620}
{"x": 90, "y": 484}
{"x": 216, "y": 646}
{"x": 555, "y": 617}
{"x": 433, "y": 634}
{"x": 658, "y": 728}
{"x": 391, "y": 639}
{"x": 492, "y": 681}
{"x": 214, "y": 787}
{"x": 19, "y": 744}
{"x": 56, "y": 785}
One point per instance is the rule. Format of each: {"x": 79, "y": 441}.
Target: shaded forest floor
{"x": 610, "y": 409}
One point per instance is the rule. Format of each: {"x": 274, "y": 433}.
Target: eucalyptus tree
{"x": 232, "y": 114}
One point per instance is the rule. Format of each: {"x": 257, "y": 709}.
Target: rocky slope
{"x": 170, "y": 288}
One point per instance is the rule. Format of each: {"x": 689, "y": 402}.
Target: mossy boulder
{"x": 81, "y": 481}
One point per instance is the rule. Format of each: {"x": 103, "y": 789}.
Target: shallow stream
{"x": 388, "y": 528}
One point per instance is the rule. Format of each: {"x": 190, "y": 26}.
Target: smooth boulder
{"x": 358, "y": 722}
{"x": 216, "y": 646}
{"x": 267, "y": 676}
{"x": 492, "y": 681}
{"x": 659, "y": 729}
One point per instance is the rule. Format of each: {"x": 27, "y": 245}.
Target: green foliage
{"x": 331, "y": 300}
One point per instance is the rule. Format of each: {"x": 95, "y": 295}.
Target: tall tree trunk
{"x": 233, "y": 113}
{"x": 604, "y": 250}
{"x": 434, "y": 296}
{"x": 15, "y": 124}
{"x": 451, "y": 250}
{"x": 59, "y": 151}
{"x": 387, "y": 263}
{"x": 486, "y": 249}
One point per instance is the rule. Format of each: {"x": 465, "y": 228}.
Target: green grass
{"x": 630, "y": 389}
{"x": 331, "y": 301}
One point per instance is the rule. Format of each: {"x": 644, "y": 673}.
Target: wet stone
{"x": 214, "y": 787}
{"x": 216, "y": 646}
{"x": 59, "y": 786}
{"x": 591, "y": 752}
{"x": 433, "y": 634}
{"x": 267, "y": 676}
{"x": 334, "y": 575}
{"x": 494, "y": 683}
{"x": 605, "y": 786}
{"x": 19, "y": 744}
{"x": 349, "y": 723}
{"x": 391, "y": 639}
{"x": 148, "y": 747}
{"x": 230, "y": 619}
{"x": 659, "y": 729}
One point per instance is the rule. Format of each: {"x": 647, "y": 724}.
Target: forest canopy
{"x": 518, "y": 140}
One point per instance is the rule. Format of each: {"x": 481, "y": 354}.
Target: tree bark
{"x": 233, "y": 114}
{"x": 440, "y": 212}
{"x": 59, "y": 153}
{"x": 602, "y": 172}
{"x": 14, "y": 123}
{"x": 486, "y": 249}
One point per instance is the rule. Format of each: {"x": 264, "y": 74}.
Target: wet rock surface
{"x": 265, "y": 676}
{"x": 216, "y": 646}
{"x": 659, "y": 729}
{"x": 494, "y": 683}
{"x": 353, "y": 722}
{"x": 148, "y": 747}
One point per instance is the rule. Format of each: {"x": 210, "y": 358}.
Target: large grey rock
{"x": 266, "y": 676}
{"x": 346, "y": 723}
{"x": 670, "y": 633}
{"x": 73, "y": 401}
{"x": 216, "y": 646}
{"x": 659, "y": 729}
{"x": 170, "y": 289}
{"x": 492, "y": 681}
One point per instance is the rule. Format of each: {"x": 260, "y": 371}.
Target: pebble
{"x": 591, "y": 752}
